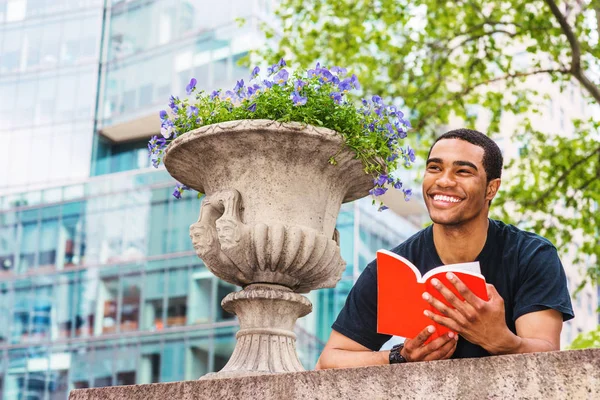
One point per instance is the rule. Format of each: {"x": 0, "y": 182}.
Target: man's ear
{"x": 492, "y": 189}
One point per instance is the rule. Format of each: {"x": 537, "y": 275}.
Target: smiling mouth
{"x": 446, "y": 199}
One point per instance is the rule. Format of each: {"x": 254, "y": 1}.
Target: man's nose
{"x": 445, "y": 181}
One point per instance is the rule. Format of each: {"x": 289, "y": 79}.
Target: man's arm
{"x": 537, "y": 331}
{"x": 343, "y": 352}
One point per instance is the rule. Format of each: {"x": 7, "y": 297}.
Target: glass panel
{"x": 102, "y": 366}
{"x": 173, "y": 361}
{"x": 130, "y": 311}
{"x": 201, "y": 300}
{"x": 71, "y": 236}
{"x": 85, "y": 307}
{"x": 154, "y": 289}
{"x": 15, "y": 378}
{"x": 107, "y": 302}
{"x": 41, "y": 312}
{"x": 5, "y": 314}
{"x": 223, "y": 289}
{"x": 126, "y": 365}
{"x": 149, "y": 368}
{"x": 20, "y": 325}
{"x": 197, "y": 357}
{"x": 8, "y": 236}
{"x": 81, "y": 361}
{"x": 178, "y": 295}
{"x": 64, "y": 305}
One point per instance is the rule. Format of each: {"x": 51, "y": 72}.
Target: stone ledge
{"x": 555, "y": 375}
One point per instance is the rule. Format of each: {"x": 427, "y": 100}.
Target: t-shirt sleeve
{"x": 358, "y": 318}
{"x": 543, "y": 284}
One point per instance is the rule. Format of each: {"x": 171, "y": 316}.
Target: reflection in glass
{"x": 130, "y": 309}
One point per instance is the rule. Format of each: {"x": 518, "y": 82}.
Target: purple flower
{"x": 192, "y": 111}
{"x": 214, "y": 94}
{"x": 407, "y": 194}
{"x": 377, "y": 191}
{"x": 191, "y": 86}
{"x": 156, "y": 144}
{"x": 410, "y": 153}
{"x": 155, "y": 162}
{"x": 281, "y": 63}
{"x": 281, "y": 77}
{"x": 229, "y": 96}
{"x": 167, "y": 128}
{"x": 254, "y": 73}
{"x": 354, "y": 82}
{"x": 382, "y": 208}
{"x": 365, "y": 102}
{"x": 173, "y": 103}
{"x": 252, "y": 107}
{"x": 163, "y": 114}
{"x": 298, "y": 100}
{"x": 377, "y": 100}
{"x": 392, "y": 157}
{"x": 339, "y": 71}
{"x": 381, "y": 180}
{"x": 345, "y": 85}
{"x": 326, "y": 76}
{"x": 239, "y": 86}
{"x": 398, "y": 184}
{"x": 336, "y": 96}
{"x": 253, "y": 89}
{"x": 299, "y": 84}
{"x": 311, "y": 73}
{"x": 179, "y": 189}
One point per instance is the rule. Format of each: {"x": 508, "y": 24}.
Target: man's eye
{"x": 464, "y": 171}
{"x": 433, "y": 168}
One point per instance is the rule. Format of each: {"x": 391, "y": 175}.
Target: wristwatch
{"x": 395, "y": 356}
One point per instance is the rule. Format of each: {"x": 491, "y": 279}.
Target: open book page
{"x": 471, "y": 268}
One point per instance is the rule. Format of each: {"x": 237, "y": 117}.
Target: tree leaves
{"x": 445, "y": 59}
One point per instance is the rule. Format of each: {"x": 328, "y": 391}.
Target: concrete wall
{"x": 555, "y": 375}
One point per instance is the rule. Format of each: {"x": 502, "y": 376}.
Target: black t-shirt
{"x": 524, "y": 268}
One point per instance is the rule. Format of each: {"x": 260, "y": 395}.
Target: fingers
{"x": 421, "y": 338}
{"x": 447, "y": 322}
{"x": 463, "y": 307}
{"x": 464, "y": 291}
{"x": 440, "y": 348}
{"x": 444, "y": 309}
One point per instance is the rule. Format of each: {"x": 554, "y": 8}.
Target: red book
{"x": 400, "y": 286}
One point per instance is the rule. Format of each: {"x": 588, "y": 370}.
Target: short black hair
{"x": 492, "y": 156}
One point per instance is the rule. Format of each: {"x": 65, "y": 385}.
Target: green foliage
{"x": 587, "y": 340}
{"x": 373, "y": 130}
{"x": 448, "y": 59}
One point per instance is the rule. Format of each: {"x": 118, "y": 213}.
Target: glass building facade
{"x": 99, "y": 283}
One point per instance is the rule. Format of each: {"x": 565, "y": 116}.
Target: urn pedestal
{"x": 267, "y": 224}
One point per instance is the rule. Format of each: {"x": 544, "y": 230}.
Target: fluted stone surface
{"x": 571, "y": 375}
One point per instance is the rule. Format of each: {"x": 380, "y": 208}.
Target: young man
{"x": 527, "y": 289}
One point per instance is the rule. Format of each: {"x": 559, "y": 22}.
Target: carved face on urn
{"x": 203, "y": 237}
{"x": 229, "y": 232}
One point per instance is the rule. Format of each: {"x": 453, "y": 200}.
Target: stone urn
{"x": 267, "y": 224}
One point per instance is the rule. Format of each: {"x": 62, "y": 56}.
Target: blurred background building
{"x": 99, "y": 284}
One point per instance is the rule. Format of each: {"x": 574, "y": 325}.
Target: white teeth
{"x": 439, "y": 197}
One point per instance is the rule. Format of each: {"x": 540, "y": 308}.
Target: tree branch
{"x": 469, "y": 89}
{"x": 564, "y": 176}
{"x": 575, "y": 51}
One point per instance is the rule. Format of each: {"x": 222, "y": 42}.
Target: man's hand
{"x": 438, "y": 349}
{"x": 480, "y": 322}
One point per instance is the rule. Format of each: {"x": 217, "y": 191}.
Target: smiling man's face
{"x": 455, "y": 184}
